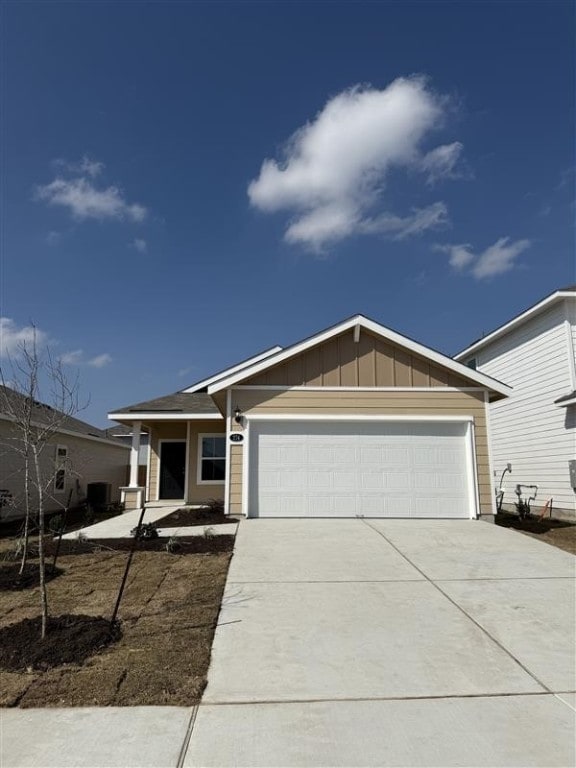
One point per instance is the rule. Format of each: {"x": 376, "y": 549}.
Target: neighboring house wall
{"x": 329, "y": 403}
{"x": 180, "y": 431}
{"x": 88, "y": 461}
{"x": 143, "y": 450}
{"x": 528, "y": 430}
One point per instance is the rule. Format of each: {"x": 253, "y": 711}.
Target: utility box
{"x": 572, "y": 470}
{"x": 98, "y": 495}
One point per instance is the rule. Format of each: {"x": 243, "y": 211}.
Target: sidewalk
{"x": 95, "y": 737}
{"x": 119, "y": 527}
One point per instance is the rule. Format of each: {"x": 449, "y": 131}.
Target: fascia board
{"x": 159, "y": 416}
{"x": 515, "y": 322}
{"x": 379, "y": 330}
{"x": 229, "y": 371}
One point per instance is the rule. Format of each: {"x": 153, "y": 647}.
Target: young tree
{"x": 34, "y": 423}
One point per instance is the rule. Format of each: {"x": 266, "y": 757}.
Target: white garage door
{"x": 344, "y": 469}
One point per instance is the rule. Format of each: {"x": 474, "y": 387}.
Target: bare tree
{"x": 34, "y": 422}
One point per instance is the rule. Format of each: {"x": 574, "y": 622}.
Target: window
{"x": 211, "y": 458}
{"x": 472, "y": 363}
{"x": 60, "y": 474}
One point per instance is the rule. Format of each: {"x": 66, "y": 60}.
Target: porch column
{"x": 134, "y": 454}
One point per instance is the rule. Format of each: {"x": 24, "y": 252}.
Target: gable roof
{"x": 43, "y": 413}
{"x": 227, "y": 371}
{"x": 360, "y": 321}
{"x": 559, "y": 295}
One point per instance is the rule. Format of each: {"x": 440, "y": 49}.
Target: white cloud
{"x": 13, "y": 338}
{"x": 140, "y": 245}
{"x": 495, "y": 260}
{"x": 83, "y": 198}
{"x": 100, "y": 360}
{"x": 336, "y": 167}
{"x": 421, "y": 219}
{"x": 442, "y": 161}
{"x": 76, "y": 357}
{"x": 85, "y": 201}
{"x": 72, "y": 358}
{"x": 85, "y": 166}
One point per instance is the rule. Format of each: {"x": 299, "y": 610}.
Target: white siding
{"x": 528, "y": 429}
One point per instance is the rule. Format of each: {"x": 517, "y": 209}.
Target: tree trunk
{"x": 26, "y": 535}
{"x": 41, "y": 555}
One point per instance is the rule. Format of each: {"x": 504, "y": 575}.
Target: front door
{"x": 172, "y": 469}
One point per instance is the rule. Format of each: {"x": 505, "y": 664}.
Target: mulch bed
{"x": 69, "y": 640}
{"x": 10, "y": 577}
{"x": 558, "y": 533}
{"x": 188, "y": 517}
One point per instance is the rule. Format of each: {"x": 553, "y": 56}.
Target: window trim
{"x": 200, "y": 458}
{"x": 60, "y": 463}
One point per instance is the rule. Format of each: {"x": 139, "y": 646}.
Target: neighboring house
{"x": 357, "y": 420}
{"x": 78, "y": 454}
{"x": 535, "y": 428}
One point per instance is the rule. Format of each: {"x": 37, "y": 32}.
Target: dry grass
{"x": 169, "y": 611}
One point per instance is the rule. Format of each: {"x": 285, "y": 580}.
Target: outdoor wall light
{"x": 237, "y": 415}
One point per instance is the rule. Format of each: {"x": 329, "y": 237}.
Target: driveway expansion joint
{"x": 187, "y": 737}
{"x": 462, "y": 610}
{"x": 320, "y": 700}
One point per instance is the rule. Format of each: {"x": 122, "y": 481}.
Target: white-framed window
{"x": 211, "y": 459}
{"x": 60, "y": 466}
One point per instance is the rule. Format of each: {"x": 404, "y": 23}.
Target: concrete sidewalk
{"x": 94, "y": 737}
{"x": 119, "y": 527}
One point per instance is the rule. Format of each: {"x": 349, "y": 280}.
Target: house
{"x": 535, "y": 428}
{"x": 77, "y": 455}
{"x": 124, "y": 435}
{"x": 356, "y": 420}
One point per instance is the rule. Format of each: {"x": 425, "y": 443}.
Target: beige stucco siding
{"x": 299, "y": 403}
{"x": 371, "y": 362}
{"x": 88, "y": 461}
{"x": 178, "y": 431}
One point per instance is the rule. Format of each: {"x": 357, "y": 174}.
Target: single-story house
{"x": 124, "y": 435}
{"x": 535, "y": 428}
{"x": 356, "y": 420}
{"x": 77, "y": 455}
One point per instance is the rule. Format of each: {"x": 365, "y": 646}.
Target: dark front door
{"x": 172, "y": 470}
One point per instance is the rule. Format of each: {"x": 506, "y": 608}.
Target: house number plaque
{"x": 236, "y": 437}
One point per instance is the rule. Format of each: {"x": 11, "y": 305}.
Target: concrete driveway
{"x": 391, "y": 642}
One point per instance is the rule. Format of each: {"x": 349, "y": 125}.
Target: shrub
{"x": 523, "y": 509}
{"x": 144, "y": 532}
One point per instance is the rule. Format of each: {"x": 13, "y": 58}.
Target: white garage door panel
{"x": 375, "y": 469}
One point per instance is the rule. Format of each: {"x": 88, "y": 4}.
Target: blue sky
{"x": 186, "y": 184}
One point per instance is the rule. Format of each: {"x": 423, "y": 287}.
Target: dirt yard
{"x": 558, "y": 533}
{"x": 168, "y": 615}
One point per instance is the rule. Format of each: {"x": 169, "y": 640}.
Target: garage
{"x": 372, "y": 468}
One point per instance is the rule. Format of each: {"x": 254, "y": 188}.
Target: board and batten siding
{"x": 527, "y": 429}
{"x": 370, "y": 362}
{"x": 364, "y": 403}
{"x": 174, "y": 430}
